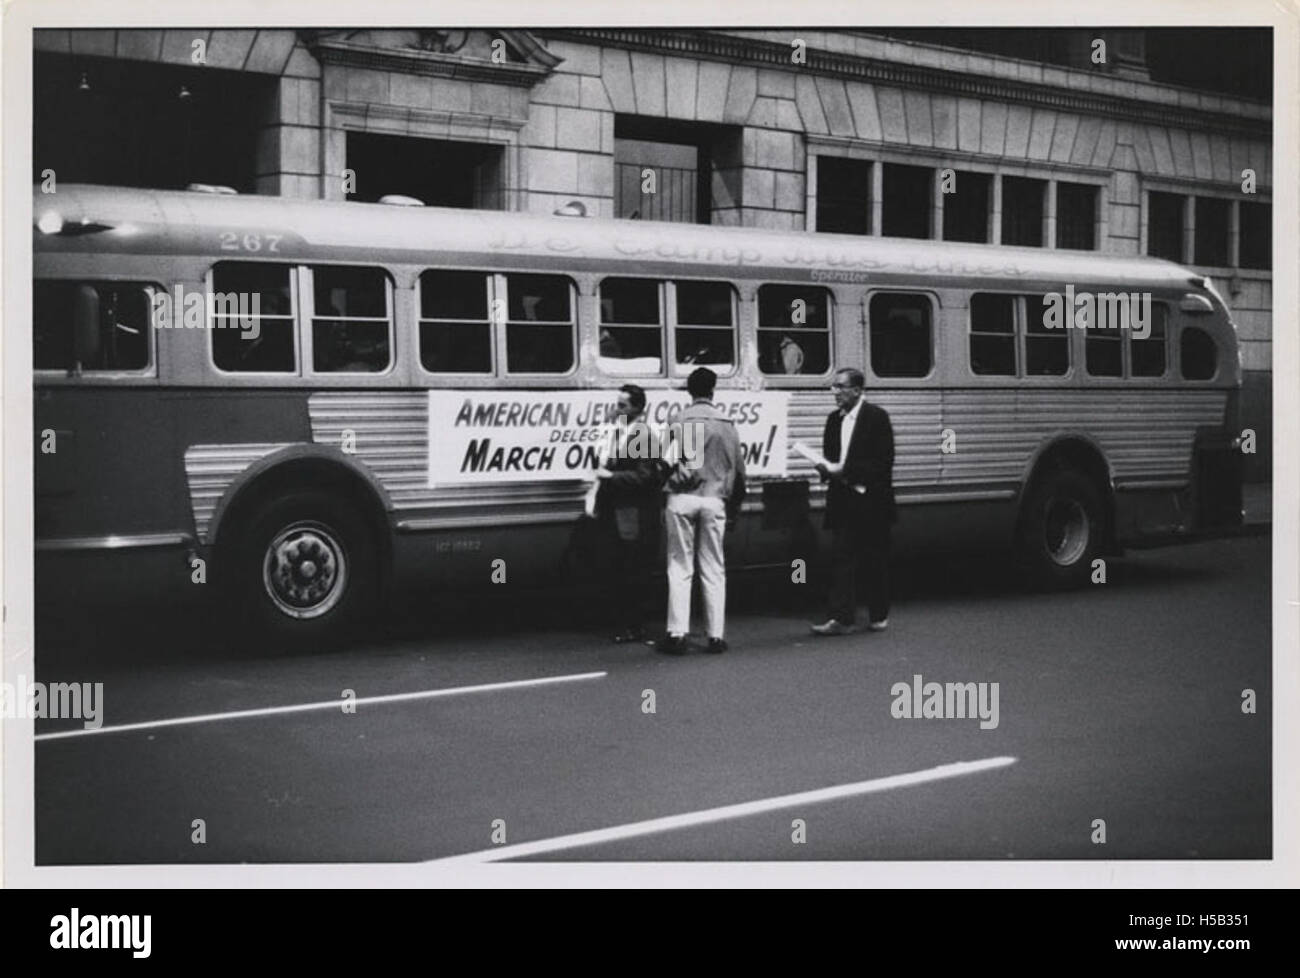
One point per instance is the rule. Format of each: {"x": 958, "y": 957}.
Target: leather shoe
{"x": 716, "y": 646}
{"x": 833, "y": 627}
{"x": 672, "y": 645}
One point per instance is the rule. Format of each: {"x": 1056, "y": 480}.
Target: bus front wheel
{"x": 1061, "y": 529}
{"x": 305, "y": 571}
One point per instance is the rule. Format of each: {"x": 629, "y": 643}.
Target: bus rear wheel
{"x": 1062, "y": 527}
{"x": 305, "y": 571}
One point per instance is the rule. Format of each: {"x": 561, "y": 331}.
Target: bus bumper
{"x": 1216, "y": 482}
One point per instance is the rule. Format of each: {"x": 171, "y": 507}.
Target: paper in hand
{"x": 816, "y": 458}
{"x": 820, "y": 460}
{"x": 602, "y": 456}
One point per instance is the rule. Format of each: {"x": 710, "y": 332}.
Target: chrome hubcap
{"x": 1066, "y": 531}
{"x": 305, "y": 571}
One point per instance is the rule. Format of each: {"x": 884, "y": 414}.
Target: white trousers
{"x": 694, "y": 525}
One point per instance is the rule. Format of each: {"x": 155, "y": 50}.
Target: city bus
{"x": 295, "y": 449}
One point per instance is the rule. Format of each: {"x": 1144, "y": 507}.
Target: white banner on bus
{"x": 494, "y": 436}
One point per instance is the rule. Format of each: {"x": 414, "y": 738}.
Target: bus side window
{"x": 1047, "y": 350}
{"x": 1198, "y": 356}
{"x": 993, "y": 334}
{"x": 351, "y": 323}
{"x": 901, "y": 336}
{"x": 118, "y": 339}
{"x": 631, "y": 326}
{"x": 1103, "y": 347}
{"x": 455, "y": 331}
{"x": 706, "y": 325}
{"x": 1147, "y": 356}
{"x": 794, "y": 329}
{"x": 540, "y": 328}
{"x": 252, "y": 317}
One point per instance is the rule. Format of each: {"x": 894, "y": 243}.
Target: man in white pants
{"x": 705, "y": 490}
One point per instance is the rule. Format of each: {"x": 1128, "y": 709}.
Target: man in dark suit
{"x": 858, "y": 446}
{"x": 629, "y": 508}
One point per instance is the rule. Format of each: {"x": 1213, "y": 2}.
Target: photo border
{"x": 17, "y": 853}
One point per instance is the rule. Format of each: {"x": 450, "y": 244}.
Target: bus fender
{"x": 1077, "y": 450}
{"x": 310, "y": 466}
{"x": 1070, "y": 444}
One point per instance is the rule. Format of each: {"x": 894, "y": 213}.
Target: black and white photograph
{"x": 431, "y": 448}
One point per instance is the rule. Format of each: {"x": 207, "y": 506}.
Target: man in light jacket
{"x": 705, "y": 490}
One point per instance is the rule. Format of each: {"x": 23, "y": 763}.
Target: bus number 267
{"x": 234, "y": 241}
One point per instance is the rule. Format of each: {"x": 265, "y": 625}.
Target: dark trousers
{"x": 854, "y": 549}
{"x": 628, "y": 581}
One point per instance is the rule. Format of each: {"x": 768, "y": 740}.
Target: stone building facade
{"x": 832, "y": 130}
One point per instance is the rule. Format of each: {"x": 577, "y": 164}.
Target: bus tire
{"x": 305, "y": 571}
{"x": 1061, "y": 529}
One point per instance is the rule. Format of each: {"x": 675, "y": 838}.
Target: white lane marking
{"x": 426, "y": 694}
{"x": 709, "y": 815}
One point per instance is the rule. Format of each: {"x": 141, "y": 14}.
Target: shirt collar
{"x": 700, "y": 407}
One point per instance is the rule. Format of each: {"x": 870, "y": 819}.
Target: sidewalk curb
{"x": 1227, "y": 533}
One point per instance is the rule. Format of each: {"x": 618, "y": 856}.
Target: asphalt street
{"x": 1119, "y": 703}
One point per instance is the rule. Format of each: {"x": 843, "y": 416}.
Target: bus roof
{"x": 85, "y": 218}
